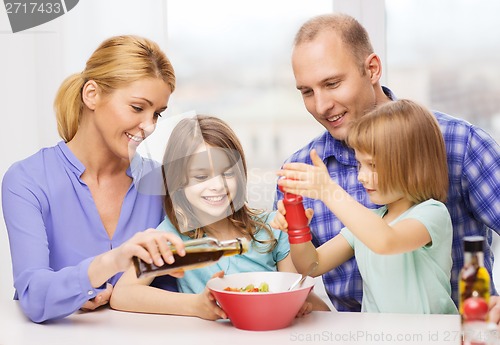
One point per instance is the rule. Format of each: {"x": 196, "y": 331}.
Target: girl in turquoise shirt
{"x": 403, "y": 249}
{"x": 205, "y": 173}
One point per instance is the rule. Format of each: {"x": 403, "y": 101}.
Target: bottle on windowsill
{"x": 199, "y": 253}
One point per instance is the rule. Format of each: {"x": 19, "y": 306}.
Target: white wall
{"x": 26, "y": 91}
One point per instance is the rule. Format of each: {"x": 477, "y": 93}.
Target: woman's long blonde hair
{"x": 117, "y": 62}
{"x": 408, "y": 148}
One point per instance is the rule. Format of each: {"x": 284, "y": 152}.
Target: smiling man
{"x": 338, "y": 75}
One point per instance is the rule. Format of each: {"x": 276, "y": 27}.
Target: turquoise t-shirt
{"x": 256, "y": 259}
{"x": 417, "y": 282}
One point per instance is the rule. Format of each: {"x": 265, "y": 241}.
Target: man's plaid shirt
{"x": 473, "y": 199}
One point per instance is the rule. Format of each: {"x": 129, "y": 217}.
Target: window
{"x": 233, "y": 59}
{"x": 445, "y": 54}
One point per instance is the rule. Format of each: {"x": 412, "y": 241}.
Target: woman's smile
{"x": 134, "y": 139}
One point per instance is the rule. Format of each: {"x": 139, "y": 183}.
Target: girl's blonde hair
{"x": 117, "y": 62}
{"x": 186, "y": 138}
{"x": 408, "y": 149}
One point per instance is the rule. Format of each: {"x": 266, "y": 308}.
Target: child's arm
{"x": 314, "y": 181}
{"x": 135, "y": 295}
{"x": 313, "y": 301}
{"x": 330, "y": 255}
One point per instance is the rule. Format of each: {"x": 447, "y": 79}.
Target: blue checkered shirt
{"x": 473, "y": 199}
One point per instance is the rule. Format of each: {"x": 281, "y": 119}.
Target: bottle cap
{"x": 473, "y": 243}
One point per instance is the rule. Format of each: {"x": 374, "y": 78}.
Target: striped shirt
{"x": 473, "y": 199}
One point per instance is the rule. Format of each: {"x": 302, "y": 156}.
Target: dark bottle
{"x": 298, "y": 228}
{"x": 199, "y": 252}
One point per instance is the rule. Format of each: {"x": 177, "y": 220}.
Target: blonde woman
{"x": 403, "y": 249}
{"x": 66, "y": 206}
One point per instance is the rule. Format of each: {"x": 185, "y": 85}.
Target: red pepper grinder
{"x": 298, "y": 229}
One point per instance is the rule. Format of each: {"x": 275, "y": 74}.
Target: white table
{"x": 107, "y": 326}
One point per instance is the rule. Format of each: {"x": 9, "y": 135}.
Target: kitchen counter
{"x": 106, "y": 326}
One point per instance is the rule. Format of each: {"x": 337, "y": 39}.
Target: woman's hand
{"x": 152, "y": 246}
{"x": 101, "y": 299}
{"x": 312, "y": 181}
